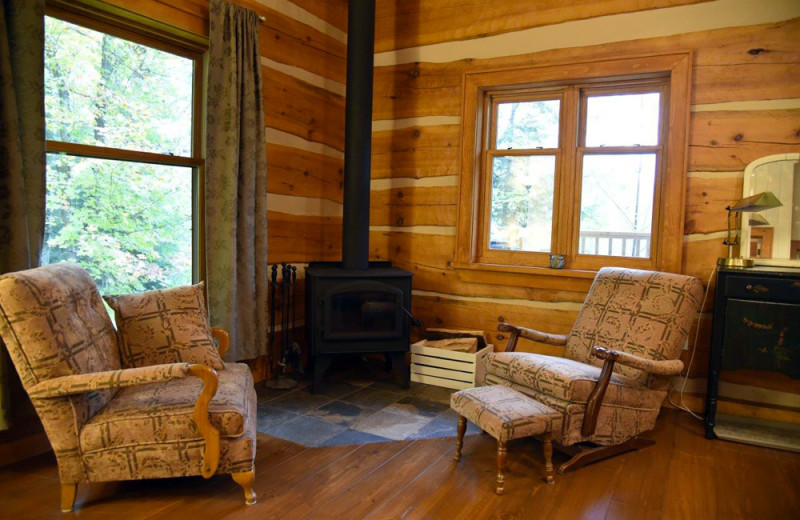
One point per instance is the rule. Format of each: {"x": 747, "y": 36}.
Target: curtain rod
{"x": 261, "y": 17}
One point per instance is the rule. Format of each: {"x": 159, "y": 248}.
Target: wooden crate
{"x": 439, "y": 367}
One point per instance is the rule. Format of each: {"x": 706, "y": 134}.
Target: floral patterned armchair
{"x": 106, "y": 422}
{"x": 618, "y": 359}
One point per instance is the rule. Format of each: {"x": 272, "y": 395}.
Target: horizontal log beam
{"x": 722, "y": 58}
{"x": 412, "y": 24}
{"x": 292, "y": 171}
{"x": 310, "y": 112}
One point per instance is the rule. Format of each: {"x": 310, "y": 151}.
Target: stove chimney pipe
{"x": 358, "y": 133}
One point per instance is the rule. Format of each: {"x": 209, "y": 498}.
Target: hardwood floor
{"x": 683, "y": 476}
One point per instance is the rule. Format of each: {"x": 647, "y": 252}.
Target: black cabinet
{"x": 756, "y": 328}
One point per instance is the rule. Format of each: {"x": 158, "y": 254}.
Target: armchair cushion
{"x": 164, "y": 326}
{"x": 158, "y": 413}
{"x": 567, "y": 379}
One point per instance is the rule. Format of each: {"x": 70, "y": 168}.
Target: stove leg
{"x": 402, "y": 372}
{"x": 321, "y": 365}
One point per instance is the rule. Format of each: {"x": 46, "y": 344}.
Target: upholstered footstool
{"x": 506, "y": 414}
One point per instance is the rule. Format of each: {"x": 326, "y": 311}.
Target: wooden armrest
{"x": 596, "y": 397}
{"x": 210, "y": 434}
{"x": 664, "y": 367}
{"x": 531, "y": 334}
{"x": 610, "y": 357}
{"x": 222, "y": 338}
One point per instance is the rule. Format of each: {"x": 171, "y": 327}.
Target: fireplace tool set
{"x": 284, "y": 291}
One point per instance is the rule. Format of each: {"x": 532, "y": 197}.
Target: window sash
{"x": 182, "y": 45}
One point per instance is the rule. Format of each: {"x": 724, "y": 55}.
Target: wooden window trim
{"x": 668, "y": 254}
{"x": 103, "y": 17}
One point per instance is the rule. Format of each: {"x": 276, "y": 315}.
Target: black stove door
{"x": 362, "y": 310}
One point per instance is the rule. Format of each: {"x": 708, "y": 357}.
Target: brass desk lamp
{"x": 759, "y": 202}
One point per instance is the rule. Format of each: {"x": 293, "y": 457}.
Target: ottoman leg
{"x": 547, "y": 441}
{"x": 501, "y": 464}
{"x": 462, "y": 427}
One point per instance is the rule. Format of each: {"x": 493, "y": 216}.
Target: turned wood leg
{"x": 462, "y": 427}
{"x": 501, "y": 464}
{"x": 68, "y": 492}
{"x": 547, "y": 448}
{"x": 246, "y": 480}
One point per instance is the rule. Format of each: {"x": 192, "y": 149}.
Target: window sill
{"x": 578, "y": 280}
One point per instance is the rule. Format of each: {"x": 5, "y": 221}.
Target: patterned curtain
{"x": 236, "y": 182}
{"x": 22, "y": 163}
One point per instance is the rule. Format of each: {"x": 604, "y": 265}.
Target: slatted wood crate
{"x": 439, "y": 367}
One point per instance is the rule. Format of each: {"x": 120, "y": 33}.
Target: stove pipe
{"x": 358, "y": 133}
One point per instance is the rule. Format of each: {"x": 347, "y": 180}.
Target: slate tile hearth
{"x": 359, "y": 403}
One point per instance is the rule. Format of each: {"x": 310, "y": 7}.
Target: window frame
{"x": 123, "y": 24}
{"x": 474, "y": 192}
{"x": 491, "y": 103}
{"x": 584, "y": 261}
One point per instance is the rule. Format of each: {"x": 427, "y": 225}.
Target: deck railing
{"x": 614, "y": 243}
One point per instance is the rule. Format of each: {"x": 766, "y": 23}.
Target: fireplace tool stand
{"x": 290, "y": 349}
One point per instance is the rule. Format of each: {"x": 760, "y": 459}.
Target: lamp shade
{"x": 758, "y": 202}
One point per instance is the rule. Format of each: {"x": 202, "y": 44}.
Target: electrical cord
{"x": 682, "y": 405}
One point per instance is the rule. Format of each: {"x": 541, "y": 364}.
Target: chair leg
{"x": 501, "y": 464}
{"x": 246, "y": 480}
{"x": 547, "y": 448}
{"x": 462, "y": 427}
{"x": 68, "y": 492}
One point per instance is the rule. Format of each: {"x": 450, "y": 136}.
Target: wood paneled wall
{"x": 303, "y": 55}
{"x": 745, "y": 105}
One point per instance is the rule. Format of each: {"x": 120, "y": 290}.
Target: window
{"x": 123, "y": 152}
{"x": 583, "y": 160}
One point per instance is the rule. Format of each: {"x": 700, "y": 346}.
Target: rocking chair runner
{"x": 619, "y": 356}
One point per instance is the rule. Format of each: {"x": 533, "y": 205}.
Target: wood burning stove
{"x": 357, "y": 311}
{"x": 358, "y": 306}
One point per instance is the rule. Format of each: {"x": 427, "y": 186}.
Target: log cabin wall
{"x": 303, "y": 57}
{"x": 745, "y": 105}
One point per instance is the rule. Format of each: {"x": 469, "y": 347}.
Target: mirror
{"x": 772, "y": 236}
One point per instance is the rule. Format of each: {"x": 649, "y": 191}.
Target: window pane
{"x": 617, "y": 205}
{"x": 522, "y": 203}
{"x": 105, "y": 91}
{"x": 624, "y": 120}
{"x": 128, "y": 224}
{"x": 532, "y": 124}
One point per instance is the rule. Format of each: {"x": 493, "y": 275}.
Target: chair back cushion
{"x": 645, "y": 313}
{"x": 54, "y": 324}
